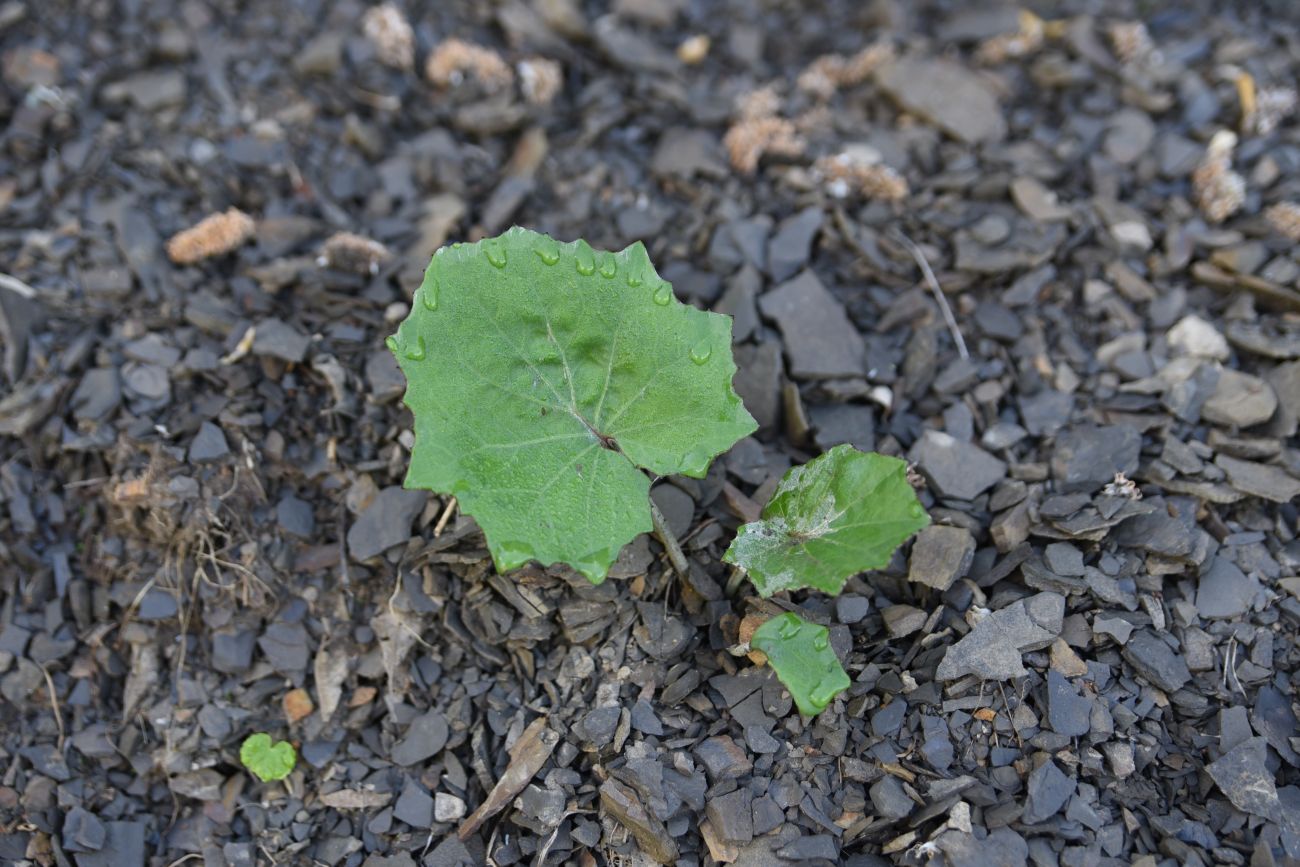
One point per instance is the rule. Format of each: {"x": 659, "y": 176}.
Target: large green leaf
{"x": 800, "y": 653}
{"x": 837, "y": 515}
{"x": 544, "y": 377}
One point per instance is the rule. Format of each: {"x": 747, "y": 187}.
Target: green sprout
{"x": 267, "y": 760}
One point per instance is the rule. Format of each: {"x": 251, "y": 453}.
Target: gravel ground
{"x": 1049, "y": 260}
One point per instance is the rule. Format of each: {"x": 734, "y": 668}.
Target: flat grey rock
{"x": 889, "y": 799}
{"x": 732, "y": 815}
{"x": 385, "y": 522}
{"x": 1087, "y": 456}
{"x": 278, "y": 339}
{"x": 295, "y": 516}
{"x": 758, "y": 381}
{"x": 209, "y": 444}
{"x": 820, "y": 341}
{"x": 1153, "y": 659}
{"x": 1002, "y": 847}
{"x": 1259, "y": 480}
{"x": 1239, "y": 400}
{"x": 1243, "y": 775}
{"x": 946, "y": 94}
{"x": 791, "y": 244}
{"x": 1067, "y": 711}
{"x": 414, "y": 806}
{"x": 992, "y": 650}
{"x": 838, "y": 423}
{"x": 954, "y": 468}
{"x": 424, "y": 738}
{"x": 1046, "y": 793}
{"x": 940, "y": 555}
{"x": 1224, "y": 591}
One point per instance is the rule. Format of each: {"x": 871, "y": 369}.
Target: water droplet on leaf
{"x": 608, "y": 266}
{"x": 585, "y": 259}
{"x": 415, "y": 352}
{"x": 635, "y": 277}
{"x": 917, "y": 510}
{"x": 701, "y": 352}
{"x": 429, "y": 295}
{"x": 548, "y": 251}
{"x": 789, "y": 627}
{"x": 496, "y": 254}
{"x": 391, "y": 342}
{"x": 663, "y": 295}
{"x": 821, "y": 641}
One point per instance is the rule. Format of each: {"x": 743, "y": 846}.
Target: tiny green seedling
{"x": 547, "y": 379}
{"x": 800, "y": 653}
{"x": 839, "y": 514}
{"x": 266, "y": 760}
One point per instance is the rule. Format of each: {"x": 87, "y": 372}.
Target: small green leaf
{"x": 545, "y": 377}
{"x": 837, "y": 515}
{"x": 800, "y": 654}
{"x": 266, "y": 760}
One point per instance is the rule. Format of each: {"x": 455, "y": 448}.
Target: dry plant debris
{"x": 391, "y": 35}
{"x": 830, "y": 72}
{"x": 214, "y": 235}
{"x": 1284, "y": 218}
{"x": 859, "y": 171}
{"x": 758, "y": 130}
{"x": 1006, "y": 46}
{"x": 1132, "y": 43}
{"x": 453, "y": 59}
{"x": 345, "y": 251}
{"x": 540, "y": 79}
{"x": 1220, "y": 192}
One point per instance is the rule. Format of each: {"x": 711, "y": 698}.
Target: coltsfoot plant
{"x": 265, "y": 759}
{"x": 839, "y": 514}
{"x": 549, "y": 382}
{"x": 546, "y": 381}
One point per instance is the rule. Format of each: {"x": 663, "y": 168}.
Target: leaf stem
{"x": 669, "y": 541}
{"x": 733, "y": 580}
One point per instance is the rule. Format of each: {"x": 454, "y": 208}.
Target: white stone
{"x": 447, "y": 808}
{"x": 1193, "y": 336}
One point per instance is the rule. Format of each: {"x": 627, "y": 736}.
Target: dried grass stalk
{"x": 215, "y": 235}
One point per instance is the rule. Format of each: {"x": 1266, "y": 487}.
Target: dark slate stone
{"x": 424, "y": 738}
{"x": 123, "y": 846}
{"x": 838, "y": 423}
{"x": 889, "y": 799}
{"x": 815, "y": 847}
{"x": 385, "y": 522}
{"x": 732, "y": 815}
{"x": 295, "y": 516}
{"x": 1153, "y": 659}
{"x": 889, "y": 719}
{"x": 596, "y": 729}
{"x": 1068, "y": 712}
{"x": 157, "y": 604}
{"x": 1088, "y": 456}
{"x": 1002, "y": 847}
{"x": 209, "y": 444}
{"x": 97, "y": 395}
{"x": 645, "y": 720}
{"x": 1273, "y": 718}
{"x": 723, "y": 758}
{"x": 414, "y": 806}
{"x": 83, "y": 832}
{"x": 791, "y": 244}
{"x": 850, "y": 608}
{"x": 232, "y": 653}
{"x": 1064, "y": 559}
{"x": 768, "y": 816}
{"x": 954, "y": 468}
{"x": 820, "y": 341}
{"x": 758, "y": 381}
{"x": 1047, "y": 791}
{"x": 937, "y": 746}
{"x": 1243, "y": 775}
{"x": 280, "y": 340}
{"x": 286, "y": 646}
{"x": 1224, "y": 591}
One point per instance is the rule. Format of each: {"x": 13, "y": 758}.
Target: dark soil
{"x": 1090, "y": 659}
